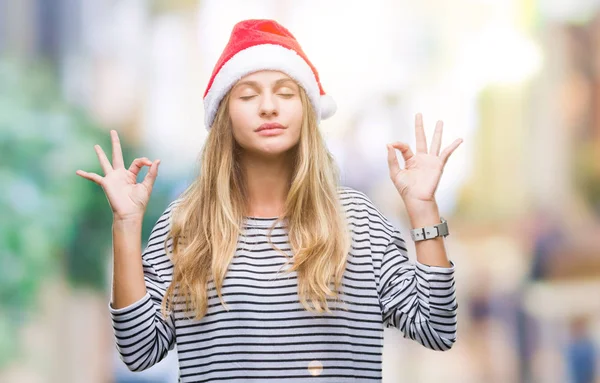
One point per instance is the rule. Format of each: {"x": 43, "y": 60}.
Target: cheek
{"x": 294, "y": 112}
{"x": 240, "y": 117}
{"x": 238, "y": 113}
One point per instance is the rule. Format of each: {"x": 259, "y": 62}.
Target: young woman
{"x": 266, "y": 268}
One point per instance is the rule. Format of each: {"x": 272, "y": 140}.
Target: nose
{"x": 268, "y": 106}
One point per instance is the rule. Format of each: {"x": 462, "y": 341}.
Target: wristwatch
{"x": 429, "y": 232}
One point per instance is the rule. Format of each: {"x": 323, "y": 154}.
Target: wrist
{"x": 422, "y": 213}
{"x": 131, "y": 220}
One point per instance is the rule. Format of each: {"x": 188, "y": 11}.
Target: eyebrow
{"x": 256, "y": 85}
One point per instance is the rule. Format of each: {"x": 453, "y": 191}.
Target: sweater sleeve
{"x": 143, "y": 336}
{"x": 419, "y": 300}
{"x": 415, "y": 298}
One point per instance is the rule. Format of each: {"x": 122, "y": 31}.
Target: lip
{"x": 269, "y": 126}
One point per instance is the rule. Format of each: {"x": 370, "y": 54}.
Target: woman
{"x": 265, "y": 268}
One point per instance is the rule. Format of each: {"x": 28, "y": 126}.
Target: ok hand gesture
{"x": 419, "y": 179}
{"x": 127, "y": 198}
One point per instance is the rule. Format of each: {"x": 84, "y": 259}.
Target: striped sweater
{"x": 267, "y": 335}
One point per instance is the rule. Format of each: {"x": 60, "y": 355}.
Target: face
{"x": 266, "y": 113}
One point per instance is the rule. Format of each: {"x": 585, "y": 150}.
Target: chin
{"x": 271, "y": 149}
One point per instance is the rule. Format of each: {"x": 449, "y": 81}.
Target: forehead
{"x": 266, "y": 77}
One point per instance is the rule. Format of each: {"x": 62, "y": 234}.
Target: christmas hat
{"x": 256, "y": 45}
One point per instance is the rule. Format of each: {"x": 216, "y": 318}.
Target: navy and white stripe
{"x": 267, "y": 335}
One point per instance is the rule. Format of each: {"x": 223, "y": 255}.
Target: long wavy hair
{"x": 208, "y": 219}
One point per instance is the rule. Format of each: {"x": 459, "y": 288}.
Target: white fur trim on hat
{"x": 266, "y": 57}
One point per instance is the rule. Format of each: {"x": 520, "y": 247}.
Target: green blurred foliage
{"x": 53, "y": 223}
{"x": 169, "y": 6}
{"x": 586, "y": 170}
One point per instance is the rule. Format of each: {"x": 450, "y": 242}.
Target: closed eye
{"x": 287, "y": 95}
{"x": 246, "y": 98}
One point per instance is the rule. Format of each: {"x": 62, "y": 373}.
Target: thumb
{"x": 148, "y": 181}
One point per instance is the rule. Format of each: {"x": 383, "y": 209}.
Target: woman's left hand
{"x": 419, "y": 179}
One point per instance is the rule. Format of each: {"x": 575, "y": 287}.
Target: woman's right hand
{"x": 127, "y": 198}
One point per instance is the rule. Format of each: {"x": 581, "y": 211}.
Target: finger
{"x": 90, "y": 176}
{"x": 392, "y": 161}
{"x": 420, "y": 134}
{"x": 407, "y": 153}
{"x": 436, "y": 141}
{"x": 451, "y": 148}
{"x": 138, "y": 164}
{"x": 117, "y": 153}
{"x": 104, "y": 163}
{"x": 151, "y": 176}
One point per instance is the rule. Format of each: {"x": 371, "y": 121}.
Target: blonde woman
{"x": 265, "y": 268}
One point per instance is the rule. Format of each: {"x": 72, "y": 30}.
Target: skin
{"x": 258, "y": 98}
{"x": 417, "y": 182}
{"x": 128, "y": 200}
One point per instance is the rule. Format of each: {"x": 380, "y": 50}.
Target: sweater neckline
{"x": 263, "y": 221}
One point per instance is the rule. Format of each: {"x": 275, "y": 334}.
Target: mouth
{"x": 269, "y": 126}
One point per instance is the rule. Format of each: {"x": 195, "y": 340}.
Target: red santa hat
{"x": 256, "y": 45}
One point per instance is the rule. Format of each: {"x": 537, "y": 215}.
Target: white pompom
{"x": 328, "y": 106}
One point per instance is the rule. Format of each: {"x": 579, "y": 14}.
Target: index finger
{"x": 117, "y": 153}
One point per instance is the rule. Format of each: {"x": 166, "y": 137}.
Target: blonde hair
{"x": 208, "y": 219}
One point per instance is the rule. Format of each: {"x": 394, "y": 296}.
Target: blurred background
{"x": 518, "y": 80}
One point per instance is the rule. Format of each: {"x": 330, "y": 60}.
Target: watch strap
{"x": 429, "y": 232}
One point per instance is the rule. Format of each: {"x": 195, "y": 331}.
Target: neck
{"x": 267, "y": 184}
